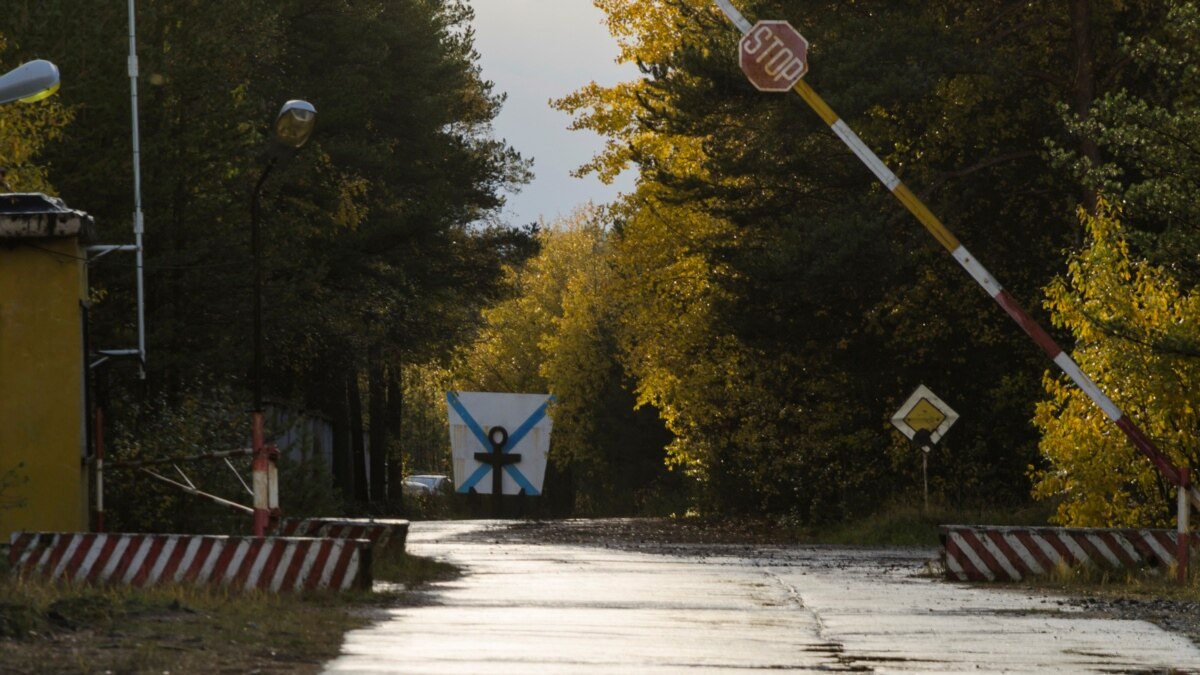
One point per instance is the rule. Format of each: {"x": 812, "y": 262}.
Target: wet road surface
{"x": 526, "y": 607}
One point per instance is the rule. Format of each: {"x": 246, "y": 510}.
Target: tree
{"x": 1136, "y": 333}
{"x": 25, "y": 131}
{"x": 558, "y": 333}
{"x": 828, "y": 304}
{"x": 1147, "y": 131}
{"x": 1128, "y": 297}
{"x": 380, "y": 236}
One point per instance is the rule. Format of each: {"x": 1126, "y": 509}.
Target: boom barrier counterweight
{"x": 980, "y": 274}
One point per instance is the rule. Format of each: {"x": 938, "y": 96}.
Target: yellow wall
{"x": 42, "y": 423}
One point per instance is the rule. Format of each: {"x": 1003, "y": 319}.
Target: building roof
{"x": 30, "y": 215}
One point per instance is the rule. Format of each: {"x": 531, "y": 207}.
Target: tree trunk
{"x": 357, "y": 442}
{"x": 343, "y": 448}
{"x": 1085, "y": 87}
{"x": 377, "y": 391}
{"x": 395, "y": 408}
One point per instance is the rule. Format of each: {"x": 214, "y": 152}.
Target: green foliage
{"x": 1147, "y": 131}
{"x": 203, "y": 419}
{"x": 306, "y": 488}
{"x": 424, "y": 441}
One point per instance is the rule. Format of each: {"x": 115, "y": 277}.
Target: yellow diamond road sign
{"x": 924, "y": 412}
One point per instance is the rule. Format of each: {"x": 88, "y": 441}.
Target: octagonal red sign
{"x": 773, "y": 55}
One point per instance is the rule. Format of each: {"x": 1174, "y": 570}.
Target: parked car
{"x": 427, "y": 485}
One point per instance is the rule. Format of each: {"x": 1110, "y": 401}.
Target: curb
{"x": 277, "y": 564}
{"x": 984, "y": 553}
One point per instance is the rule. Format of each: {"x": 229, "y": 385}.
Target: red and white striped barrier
{"x": 267, "y": 563}
{"x": 384, "y": 533}
{"x": 981, "y": 553}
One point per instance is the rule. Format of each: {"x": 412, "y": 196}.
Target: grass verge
{"x": 64, "y": 628}
{"x": 907, "y": 525}
{"x": 1134, "y": 585}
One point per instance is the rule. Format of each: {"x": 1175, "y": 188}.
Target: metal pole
{"x": 266, "y": 491}
{"x": 137, "y": 192}
{"x": 1183, "y": 544}
{"x": 256, "y": 257}
{"x": 925, "y": 474}
{"x": 978, "y": 272}
{"x": 99, "y": 469}
{"x": 192, "y": 490}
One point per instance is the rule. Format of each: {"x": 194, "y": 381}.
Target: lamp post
{"x": 293, "y": 125}
{"x": 30, "y": 82}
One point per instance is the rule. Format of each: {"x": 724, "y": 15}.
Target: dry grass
{"x": 65, "y": 628}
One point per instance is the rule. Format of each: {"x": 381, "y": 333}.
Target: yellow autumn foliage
{"x": 647, "y": 32}
{"x": 1138, "y": 336}
{"x": 670, "y": 342}
{"x": 24, "y": 131}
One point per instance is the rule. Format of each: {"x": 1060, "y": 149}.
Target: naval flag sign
{"x": 505, "y": 433}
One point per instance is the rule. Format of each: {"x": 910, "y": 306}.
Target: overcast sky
{"x": 537, "y": 50}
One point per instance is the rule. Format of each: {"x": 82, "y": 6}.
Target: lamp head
{"x": 30, "y": 82}
{"x": 295, "y": 123}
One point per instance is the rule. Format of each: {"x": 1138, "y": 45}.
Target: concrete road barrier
{"x": 279, "y": 564}
{"x": 389, "y": 534}
{"x": 987, "y": 553}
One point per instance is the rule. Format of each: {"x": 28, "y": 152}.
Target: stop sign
{"x": 773, "y": 55}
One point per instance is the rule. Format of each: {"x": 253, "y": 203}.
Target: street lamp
{"x": 293, "y": 125}
{"x": 30, "y": 82}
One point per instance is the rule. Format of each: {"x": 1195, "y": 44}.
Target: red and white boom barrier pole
{"x": 266, "y": 479}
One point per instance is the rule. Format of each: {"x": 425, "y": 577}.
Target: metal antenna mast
{"x": 136, "y": 247}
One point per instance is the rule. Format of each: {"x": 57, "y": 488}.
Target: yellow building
{"x": 43, "y": 421}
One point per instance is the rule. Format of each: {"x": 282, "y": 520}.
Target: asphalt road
{"x": 525, "y": 606}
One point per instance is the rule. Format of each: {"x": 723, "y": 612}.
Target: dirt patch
{"x": 1176, "y": 616}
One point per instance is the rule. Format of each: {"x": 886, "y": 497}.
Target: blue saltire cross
{"x": 514, "y": 439}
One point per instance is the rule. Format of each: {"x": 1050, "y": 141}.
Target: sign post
{"x": 924, "y": 419}
{"x": 971, "y": 265}
{"x": 497, "y": 459}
